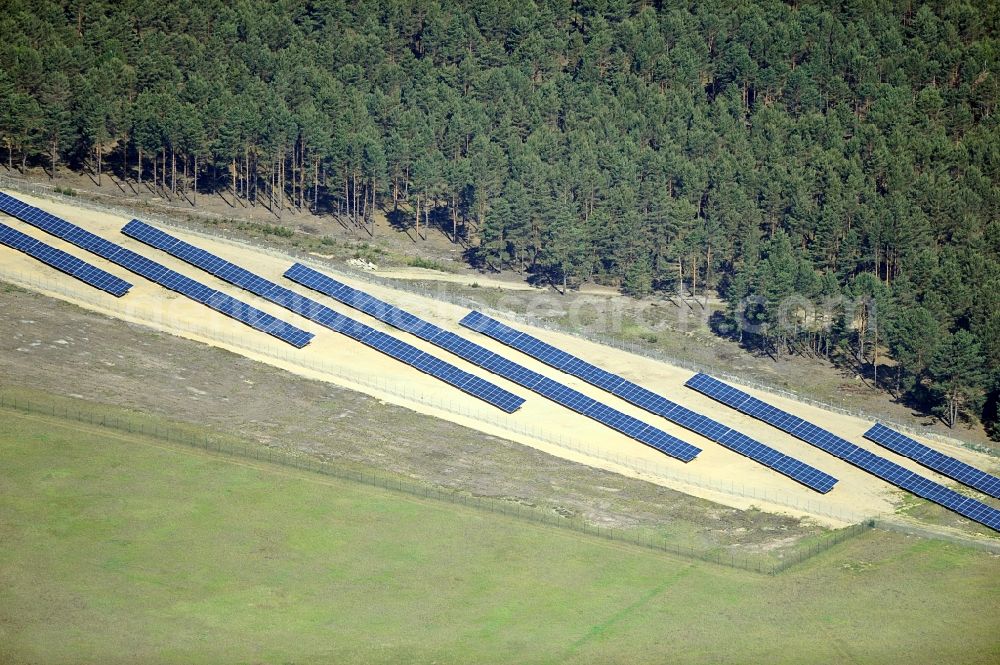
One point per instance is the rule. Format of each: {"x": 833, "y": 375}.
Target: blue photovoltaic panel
{"x": 449, "y": 341}
{"x": 67, "y": 263}
{"x": 847, "y": 451}
{"x": 155, "y": 272}
{"x": 631, "y": 392}
{"x": 279, "y": 295}
{"x": 932, "y": 459}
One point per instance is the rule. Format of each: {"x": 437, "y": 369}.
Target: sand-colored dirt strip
{"x": 717, "y": 474}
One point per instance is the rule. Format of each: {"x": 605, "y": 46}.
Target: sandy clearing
{"x": 425, "y": 274}
{"x": 717, "y": 474}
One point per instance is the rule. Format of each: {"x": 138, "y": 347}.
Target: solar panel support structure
{"x": 493, "y": 362}
{"x": 314, "y": 311}
{"x": 865, "y": 460}
{"x": 64, "y": 262}
{"x": 656, "y": 404}
{"x": 944, "y": 464}
{"x": 155, "y": 272}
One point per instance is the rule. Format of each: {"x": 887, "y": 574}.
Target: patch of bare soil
{"x": 56, "y": 347}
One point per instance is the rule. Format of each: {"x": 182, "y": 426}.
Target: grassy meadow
{"x": 122, "y": 549}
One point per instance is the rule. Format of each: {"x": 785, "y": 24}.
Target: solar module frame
{"x": 230, "y": 272}
{"x": 853, "y": 454}
{"x": 64, "y": 262}
{"x": 936, "y": 461}
{"x": 656, "y": 404}
{"x": 155, "y": 272}
{"x": 493, "y": 362}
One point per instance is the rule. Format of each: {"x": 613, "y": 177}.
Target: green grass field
{"x": 118, "y": 549}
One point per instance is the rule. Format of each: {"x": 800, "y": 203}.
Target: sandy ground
{"x": 428, "y": 275}
{"x": 717, "y": 474}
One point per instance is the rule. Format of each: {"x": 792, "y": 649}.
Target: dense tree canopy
{"x": 799, "y": 157}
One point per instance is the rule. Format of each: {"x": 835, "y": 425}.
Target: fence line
{"x": 375, "y": 479}
{"x": 46, "y": 191}
{"x": 506, "y": 424}
{"x": 935, "y": 534}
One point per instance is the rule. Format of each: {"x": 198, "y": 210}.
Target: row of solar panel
{"x": 617, "y": 385}
{"x": 493, "y": 362}
{"x": 62, "y": 261}
{"x": 155, "y": 272}
{"x": 797, "y": 470}
{"x": 849, "y": 452}
{"x": 234, "y": 274}
{"x": 932, "y": 459}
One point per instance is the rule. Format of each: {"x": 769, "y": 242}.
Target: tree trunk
{"x": 140, "y": 164}
{"x": 694, "y": 275}
{"x": 194, "y": 194}
{"x": 875, "y": 355}
{"x": 232, "y": 172}
{"x": 416, "y": 209}
{"x": 52, "y": 159}
{"x": 281, "y": 180}
{"x": 98, "y": 164}
{"x": 427, "y": 217}
{"x": 354, "y": 192}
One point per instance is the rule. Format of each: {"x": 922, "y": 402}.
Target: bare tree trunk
{"x": 194, "y": 197}
{"x": 315, "y": 184}
{"x": 364, "y": 206}
{"x": 281, "y": 180}
{"x": 140, "y": 163}
{"x": 302, "y": 174}
{"x": 694, "y": 275}
{"x": 98, "y": 164}
{"x": 232, "y": 172}
{"x": 875, "y": 354}
{"x": 416, "y": 209}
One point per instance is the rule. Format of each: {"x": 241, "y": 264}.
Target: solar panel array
{"x": 932, "y": 459}
{"x": 155, "y": 272}
{"x": 646, "y": 399}
{"x": 449, "y": 341}
{"x": 67, "y": 263}
{"x": 376, "y": 339}
{"x": 847, "y": 451}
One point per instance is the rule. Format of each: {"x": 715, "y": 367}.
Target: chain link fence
{"x": 910, "y": 529}
{"x": 208, "y": 442}
{"x": 403, "y": 392}
{"x": 115, "y": 206}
